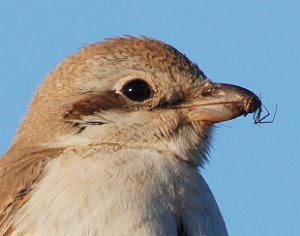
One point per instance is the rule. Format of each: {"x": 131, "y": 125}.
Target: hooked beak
{"x": 220, "y": 102}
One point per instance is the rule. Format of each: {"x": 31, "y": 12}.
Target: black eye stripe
{"x": 95, "y": 103}
{"x": 137, "y": 90}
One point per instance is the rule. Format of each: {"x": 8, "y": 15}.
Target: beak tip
{"x": 252, "y": 104}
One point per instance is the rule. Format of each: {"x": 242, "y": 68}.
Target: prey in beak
{"x": 220, "y": 102}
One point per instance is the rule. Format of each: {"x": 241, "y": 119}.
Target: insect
{"x": 258, "y": 113}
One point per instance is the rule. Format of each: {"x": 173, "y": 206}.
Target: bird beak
{"x": 220, "y": 102}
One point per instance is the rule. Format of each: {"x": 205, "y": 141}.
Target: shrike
{"x": 112, "y": 144}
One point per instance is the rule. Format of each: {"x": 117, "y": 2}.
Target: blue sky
{"x": 254, "y": 170}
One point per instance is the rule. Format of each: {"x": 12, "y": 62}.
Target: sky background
{"x": 254, "y": 170}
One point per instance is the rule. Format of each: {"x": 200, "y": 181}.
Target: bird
{"x": 113, "y": 144}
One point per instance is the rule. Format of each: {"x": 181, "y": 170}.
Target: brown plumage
{"x": 81, "y": 112}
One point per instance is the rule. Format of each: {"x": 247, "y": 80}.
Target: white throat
{"x": 119, "y": 192}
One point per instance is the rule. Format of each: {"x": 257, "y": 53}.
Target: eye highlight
{"x": 137, "y": 90}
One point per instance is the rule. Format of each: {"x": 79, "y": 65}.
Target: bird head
{"x": 135, "y": 93}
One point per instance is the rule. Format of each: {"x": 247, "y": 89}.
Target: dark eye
{"x": 137, "y": 90}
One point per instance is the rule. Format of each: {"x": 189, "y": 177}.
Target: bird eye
{"x": 137, "y": 90}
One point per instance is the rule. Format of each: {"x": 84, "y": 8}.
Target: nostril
{"x": 207, "y": 93}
